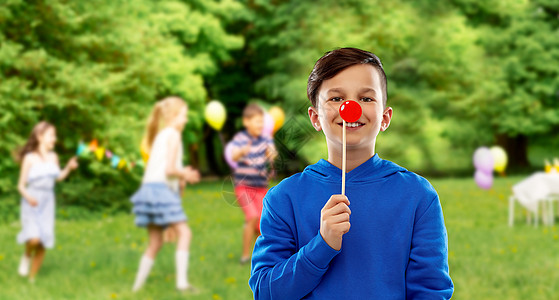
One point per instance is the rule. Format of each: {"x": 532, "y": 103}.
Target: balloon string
{"x": 343, "y": 156}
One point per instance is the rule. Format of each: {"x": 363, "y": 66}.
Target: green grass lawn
{"x": 97, "y": 259}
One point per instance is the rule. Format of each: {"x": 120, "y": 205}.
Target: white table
{"x": 538, "y": 189}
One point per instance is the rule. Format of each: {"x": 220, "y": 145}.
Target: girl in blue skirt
{"x": 157, "y": 204}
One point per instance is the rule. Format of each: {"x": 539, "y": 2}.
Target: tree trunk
{"x": 214, "y": 153}
{"x": 193, "y": 157}
{"x": 517, "y": 150}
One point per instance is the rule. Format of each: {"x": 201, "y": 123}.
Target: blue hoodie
{"x": 396, "y": 247}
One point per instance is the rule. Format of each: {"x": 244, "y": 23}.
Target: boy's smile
{"x": 360, "y": 83}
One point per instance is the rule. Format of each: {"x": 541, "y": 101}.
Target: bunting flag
{"x": 82, "y": 149}
{"x": 121, "y": 164}
{"x": 115, "y": 160}
{"x": 101, "y": 152}
{"x": 93, "y": 145}
{"x": 144, "y": 153}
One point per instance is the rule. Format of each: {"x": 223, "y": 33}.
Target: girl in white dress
{"x": 39, "y": 172}
{"x": 157, "y": 203}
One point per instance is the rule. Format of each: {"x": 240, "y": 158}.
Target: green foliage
{"x": 461, "y": 74}
{"x": 427, "y": 55}
{"x": 95, "y": 68}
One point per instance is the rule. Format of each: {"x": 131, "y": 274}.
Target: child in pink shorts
{"x": 253, "y": 152}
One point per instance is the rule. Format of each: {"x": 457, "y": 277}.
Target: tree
{"x": 427, "y": 56}
{"x": 95, "y": 68}
{"x": 520, "y": 95}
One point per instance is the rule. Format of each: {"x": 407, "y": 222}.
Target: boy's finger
{"x": 340, "y": 218}
{"x": 335, "y": 199}
{"x": 341, "y": 207}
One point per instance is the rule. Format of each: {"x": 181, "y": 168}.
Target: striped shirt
{"x": 252, "y": 169}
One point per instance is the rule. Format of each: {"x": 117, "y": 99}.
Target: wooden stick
{"x": 343, "y": 157}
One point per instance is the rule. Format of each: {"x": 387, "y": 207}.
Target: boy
{"x": 391, "y": 244}
{"x": 252, "y": 151}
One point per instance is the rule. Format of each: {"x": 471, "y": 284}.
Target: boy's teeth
{"x": 352, "y": 124}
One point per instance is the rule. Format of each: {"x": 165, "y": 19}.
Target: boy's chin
{"x": 353, "y": 143}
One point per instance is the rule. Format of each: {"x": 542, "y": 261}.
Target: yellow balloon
{"x": 500, "y": 158}
{"x": 278, "y": 116}
{"x": 215, "y": 114}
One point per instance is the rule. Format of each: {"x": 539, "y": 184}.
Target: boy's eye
{"x": 336, "y": 99}
{"x": 367, "y": 99}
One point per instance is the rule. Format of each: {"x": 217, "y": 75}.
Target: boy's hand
{"x": 271, "y": 153}
{"x": 334, "y": 220}
{"x": 246, "y": 149}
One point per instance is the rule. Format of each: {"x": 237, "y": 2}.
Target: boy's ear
{"x": 313, "y": 115}
{"x": 386, "y": 117}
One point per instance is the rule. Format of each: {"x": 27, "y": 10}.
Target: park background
{"x": 461, "y": 74}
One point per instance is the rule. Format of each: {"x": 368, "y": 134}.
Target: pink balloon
{"x": 483, "y": 180}
{"x": 483, "y": 160}
{"x": 269, "y": 122}
{"x": 228, "y": 153}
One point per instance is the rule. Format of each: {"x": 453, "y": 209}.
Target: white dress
{"x": 38, "y": 221}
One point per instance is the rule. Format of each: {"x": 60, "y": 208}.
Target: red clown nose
{"x": 350, "y": 111}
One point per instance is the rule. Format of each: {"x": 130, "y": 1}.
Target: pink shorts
{"x": 250, "y": 200}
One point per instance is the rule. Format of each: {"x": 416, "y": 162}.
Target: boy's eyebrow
{"x": 363, "y": 90}
{"x": 368, "y": 90}
{"x": 335, "y": 90}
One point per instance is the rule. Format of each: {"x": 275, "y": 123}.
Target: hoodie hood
{"x": 375, "y": 168}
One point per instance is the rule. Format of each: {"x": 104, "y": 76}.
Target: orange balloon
{"x": 279, "y": 117}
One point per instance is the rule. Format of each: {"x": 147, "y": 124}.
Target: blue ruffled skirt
{"x": 155, "y": 203}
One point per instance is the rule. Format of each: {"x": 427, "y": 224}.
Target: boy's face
{"x": 360, "y": 83}
{"x": 254, "y": 124}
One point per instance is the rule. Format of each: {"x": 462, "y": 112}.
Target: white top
{"x": 157, "y": 163}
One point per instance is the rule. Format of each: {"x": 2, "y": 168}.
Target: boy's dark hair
{"x": 251, "y": 110}
{"x": 335, "y": 61}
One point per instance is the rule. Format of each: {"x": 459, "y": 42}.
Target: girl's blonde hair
{"x": 163, "y": 111}
{"x": 32, "y": 143}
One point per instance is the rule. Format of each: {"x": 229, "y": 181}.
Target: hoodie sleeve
{"x": 427, "y": 275}
{"x": 279, "y": 271}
